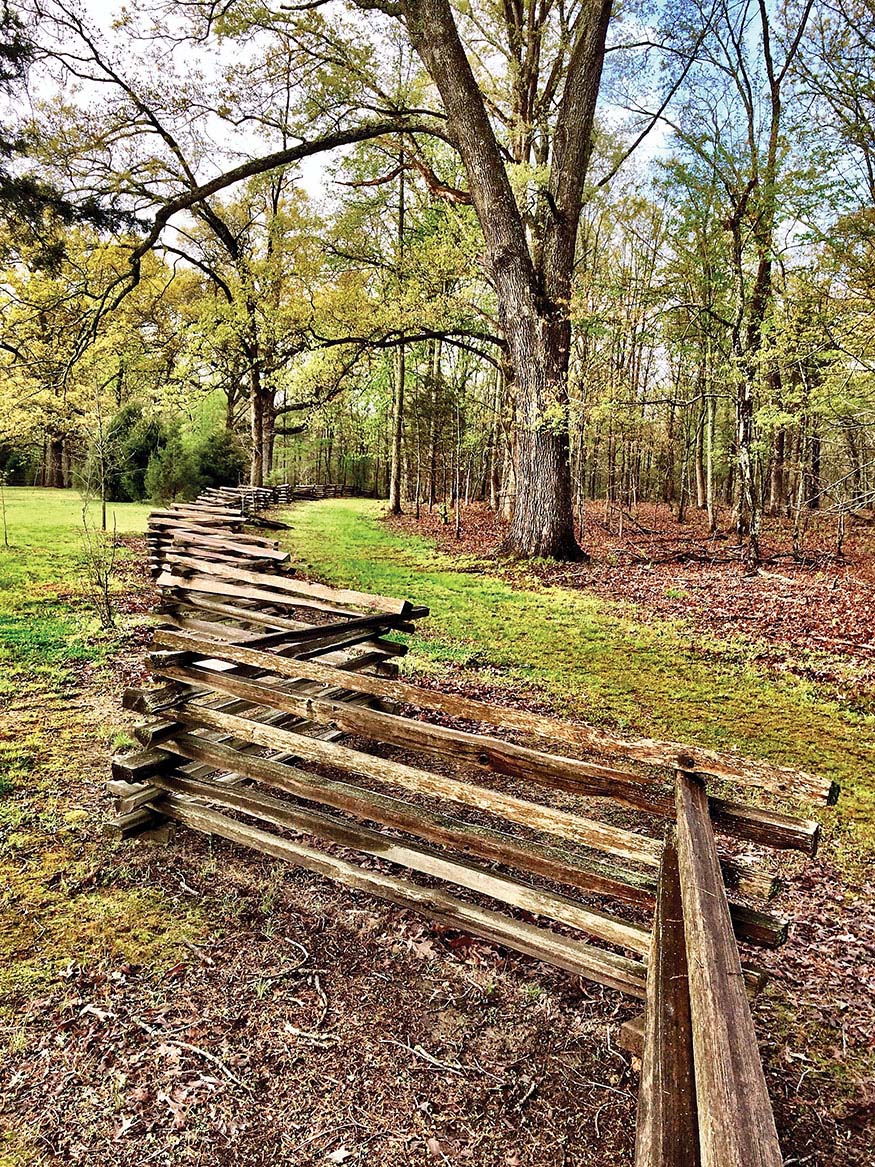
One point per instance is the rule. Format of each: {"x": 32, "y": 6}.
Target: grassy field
{"x": 600, "y": 661}
{"x": 46, "y": 619}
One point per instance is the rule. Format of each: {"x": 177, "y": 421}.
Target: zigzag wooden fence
{"x": 278, "y": 722}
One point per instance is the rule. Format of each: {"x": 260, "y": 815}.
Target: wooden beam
{"x": 232, "y": 546}
{"x": 626, "y": 845}
{"x": 736, "y": 1123}
{"x": 501, "y": 757}
{"x": 574, "y": 956}
{"x": 262, "y": 595}
{"x": 557, "y": 908}
{"x": 198, "y": 601}
{"x": 667, "y": 1131}
{"x": 299, "y": 587}
{"x": 779, "y": 780}
{"x": 749, "y": 823}
{"x": 468, "y": 839}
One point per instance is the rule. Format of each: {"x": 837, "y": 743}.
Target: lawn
{"x": 46, "y": 617}
{"x": 597, "y": 660}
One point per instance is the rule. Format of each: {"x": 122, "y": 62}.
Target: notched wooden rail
{"x": 277, "y": 722}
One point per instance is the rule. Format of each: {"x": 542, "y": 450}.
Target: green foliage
{"x": 133, "y": 440}
{"x": 221, "y": 459}
{"x": 17, "y": 463}
{"x": 173, "y": 471}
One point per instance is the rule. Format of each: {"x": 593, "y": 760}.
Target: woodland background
{"x": 339, "y": 322}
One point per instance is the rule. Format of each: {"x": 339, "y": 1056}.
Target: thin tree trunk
{"x": 777, "y": 477}
{"x": 397, "y": 432}
{"x": 400, "y": 367}
{"x": 256, "y": 428}
{"x": 701, "y": 488}
{"x": 711, "y": 417}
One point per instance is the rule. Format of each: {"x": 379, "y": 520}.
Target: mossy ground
{"x": 66, "y": 898}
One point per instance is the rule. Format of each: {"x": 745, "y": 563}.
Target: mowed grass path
{"x": 597, "y": 660}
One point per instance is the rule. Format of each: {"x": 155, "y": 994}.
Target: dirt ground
{"x": 301, "y": 1023}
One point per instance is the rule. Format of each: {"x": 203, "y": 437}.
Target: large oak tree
{"x": 518, "y": 86}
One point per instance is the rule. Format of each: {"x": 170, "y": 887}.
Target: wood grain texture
{"x": 765, "y": 827}
{"x": 574, "y": 956}
{"x": 737, "y": 1126}
{"x": 667, "y": 1129}
{"x": 553, "y": 907}
{"x": 627, "y": 845}
{"x": 468, "y": 839}
{"x": 666, "y": 754}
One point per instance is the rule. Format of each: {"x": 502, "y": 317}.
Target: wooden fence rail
{"x": 277, "y": 721}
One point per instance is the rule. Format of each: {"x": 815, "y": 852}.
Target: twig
{"x": 202, "y": 956}
{"x": 194, "y": 1049}
{"x": 324, "y": 1040}
{"x": 419, "y": 1052}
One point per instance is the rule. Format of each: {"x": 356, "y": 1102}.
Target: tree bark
{"x": 400, "y": 368}
{"x": 55, "y": 461}
{"x": 778, "y": 474}
{"x": 397, "y": 432}
{"x": 533, "y": 301}
{"x": 256, "y": 428}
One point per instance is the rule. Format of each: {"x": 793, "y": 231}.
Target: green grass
{"x": 598, "y": 660}
{"x": 63, "y": 896}
{"x": 46, "y": 619}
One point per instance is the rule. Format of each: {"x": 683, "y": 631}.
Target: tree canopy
{"x": 536, "y": 252}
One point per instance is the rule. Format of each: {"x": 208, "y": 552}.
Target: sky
{"x": 314, "y": 178}
{"x": 314, "y": 173}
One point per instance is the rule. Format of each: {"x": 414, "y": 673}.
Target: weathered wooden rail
{"x": 277, "y": 721}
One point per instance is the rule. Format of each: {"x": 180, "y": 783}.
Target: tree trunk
{"x": 400, "y": 368}
{"x": 701, "y": 488}
{"x": 397, "y": 432}
{"x": 532, "y": 290}
{"x": 55, "y": 461}
{"x": 813, "y": 491}
{"x": 256, "y": 428}
{"x": 268, "y": 435}
{"x": 710, "y": 421}
{"x": 778, "y": 475}
{"x": 748, "y": 503}
{"x": 542, "y": 525}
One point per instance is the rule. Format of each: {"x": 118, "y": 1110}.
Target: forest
{"x": 647, "y": 277}
{"x": 437, "y": 583}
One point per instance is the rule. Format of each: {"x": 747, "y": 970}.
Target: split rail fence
{"x": 277, "y": 721}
